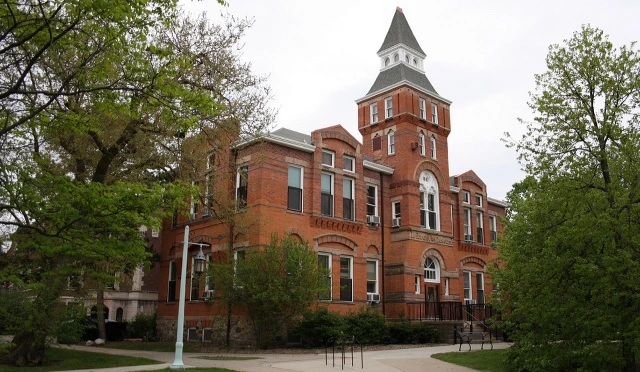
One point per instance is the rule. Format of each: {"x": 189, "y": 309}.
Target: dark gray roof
{"x": 292, "y": 135}
{"x": 400, "y": 32}
{"x": 398, "y": 73}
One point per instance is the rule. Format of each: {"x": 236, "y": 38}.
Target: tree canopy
{"x": 570, "y": 256}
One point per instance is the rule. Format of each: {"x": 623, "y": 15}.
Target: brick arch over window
{"x": 426, "y": 165}
{"x": 473, "y": 260}
{"x": 335, "y": 239}
{"x": 372, "y": 249}
{"x": 433, "y": 253}
{"x": 340, "y": 137}
{"x": 295, "y": 233}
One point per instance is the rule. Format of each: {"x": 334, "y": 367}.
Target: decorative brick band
{"x": 471, "y": 259}
{"x": 473, "y": 248}
{"x": 336, "y": 225}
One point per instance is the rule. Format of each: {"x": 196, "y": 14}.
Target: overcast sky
{"x": 320, "y": 56}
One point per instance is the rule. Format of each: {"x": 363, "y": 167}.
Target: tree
{"x": 275, "y": 283}
{"x": 570, "y": 256}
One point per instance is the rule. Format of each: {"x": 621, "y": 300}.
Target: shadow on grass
{"x": 482, "y": 360}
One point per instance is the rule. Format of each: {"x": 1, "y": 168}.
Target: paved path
{"x": 407, "y": 360}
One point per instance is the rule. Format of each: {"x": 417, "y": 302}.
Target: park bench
{"x": 474, "y": 338}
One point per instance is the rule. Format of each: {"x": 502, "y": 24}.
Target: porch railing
{"x": 448, "y": 311}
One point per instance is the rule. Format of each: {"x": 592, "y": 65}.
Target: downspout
{"x": 382, "y": 203}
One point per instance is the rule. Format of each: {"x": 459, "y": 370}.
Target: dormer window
{"x": 407, "y": 58}
{"x": 387, "y": 61}
{"x": 415, "y": 62}
{"x": 396, "y": 57}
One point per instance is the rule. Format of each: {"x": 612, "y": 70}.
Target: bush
{"x": 72, "y": 324}
{"x": 318, "y": 327}
{"x": 406, "y": 332}
{"x": 368, "y": 326}
{"x": 142, "y": 326}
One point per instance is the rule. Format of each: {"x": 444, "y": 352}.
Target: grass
{"x": 199, "y": 369}
{"x": 66, "y": 359}
{"x": 221, "y": 357}
{"x": 151, "y": 346}
{"x": 484, "y": 360}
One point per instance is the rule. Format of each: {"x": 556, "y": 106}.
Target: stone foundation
{"x": 209, "y": 329}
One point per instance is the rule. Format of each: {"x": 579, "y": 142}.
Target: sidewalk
{"x": 407, "y": 360}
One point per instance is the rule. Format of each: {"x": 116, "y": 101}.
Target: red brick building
{"x": 384, "y": 215}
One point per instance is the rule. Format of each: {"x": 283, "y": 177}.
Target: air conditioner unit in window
{"x": 395, "y": 222}
{"x": 207, "y": 295}
{"x": 468, "y": 238}
{"x": 373, "y": 220}
{"x": 373, "y": 297}
{"x": 469, "y": 302}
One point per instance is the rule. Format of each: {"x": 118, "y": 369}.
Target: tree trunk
{"x": 28, "y": 352}
{"x": 102, "y": 330}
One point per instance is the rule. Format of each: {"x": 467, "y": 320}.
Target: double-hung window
{"x": 294, "y": 193}
{"x": 432, "y": 142}
{"x": 324, "y": 267}
{"x": 193, "y": 205}
{"x": 349, "y": 163}
{"x": 348, "y": 202}
{"x": 346, "y": 278}
{"x": 326, "y": 194}
{"x": 388, "y": 107}
{"x": 421, "y": 143}
{"x": 478, "y": 200}
{"x": 372, "y": 200}
{"x": 434, "y": 113}
{"x": 423, "y": 109}
{"x": 242, "y": 183}
{"x": 171, "y": 289}
{"x": 479, "y": 226}
{"x": 395, "y": 209}
{"x": 467, "y": 224}
{"x": 373, "y": 109}
{"x": 466, "y": 276}
{"x": 480, "y": 287}
{"x": 372, "y": 276}
{"x": 466, "y": 196}
{"x": 328, "y": 158}
{"x": 493, "y": 228}
{"x": 391, "y": 143}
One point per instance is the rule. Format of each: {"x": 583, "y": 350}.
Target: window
{"x": 294, "y": 196}
{"x": 480, "y": 288}
{"x": 193, "y": 205}
{"x": 373, "y": 109}
{"x": 493, "y": 228}
{"x": 446, "y": 286}
{"x": 242, "y": 181}
{"x": 434, "y": 113}
{"x": 155, "y": 233}
{"x": 479, "y": 200}
{"x": 372, "y": 200}
{"x": 238, "y": 257}
{"x": 467, "y": 224}
{"x": 376, "y": 143}
{"x": 326, "y": 194}
{"x": 431, "y": 270}
{"x": 417, "y": 284}
{"x": 407, "y": 58}
{"x": 387, "y": 61}
{"x": 349, "y": 163}
{"x": 479, "y": 227}
{"x": 466, "y": 276}
{"x": 396, "y": 57}
{"x": 372, "y": 276}
{"x": 324, "y": 266}
{"x": 346, "y": 279}
{"x": 171, "y": 289}
{"x": 388, "y": 107}
{"x": 328, "y": 158}
{"x": 119, "y": 314}
{"x": 423, "y": 109}
{"x": 466, "y": 197}
{"x": 432, "y": 141}
{"x": 195, "y": 280}
{"x": 348, "y": 203}
{"x": 208, "y": 195}
{"x": 391, "y": 141}
{"x": 421, "y": 144}
{"x": 395, "y": 209}
{"x": 429, "y": 201}
{"x": 415, "y": 62}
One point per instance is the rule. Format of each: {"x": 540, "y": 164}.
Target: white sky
{"x": 320, "y": 56}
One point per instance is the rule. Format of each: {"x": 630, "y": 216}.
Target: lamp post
{"x": 198, "y": 266}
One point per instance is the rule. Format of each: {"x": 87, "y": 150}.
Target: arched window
{"x": 396, "y": 57}
{"x": 433, "y": 147}
{"x": 119, "y": 314}
{"x": 421, "y": 143}
{"x": 407, "y": 58}
{"x": 429, "y": 201}
{"x": 391, "y": 142}
{"x": 415, "y": 62}
{"x": 431, "y": 270}
{"x": 387, "y": 61}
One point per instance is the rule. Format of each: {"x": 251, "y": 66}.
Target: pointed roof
{"x": 398, "y": 74}
{"x": 400, "y": 33}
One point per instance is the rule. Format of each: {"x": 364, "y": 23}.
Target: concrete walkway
{"x": 407, "y": 360}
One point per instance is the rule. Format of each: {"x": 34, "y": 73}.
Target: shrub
{"x": 318, "y": 327}
{"x": 142, "y": 326}
{"x": 72, "y": 324}
{"x": 367, "y": 325}
{"x": 406, "y": 332}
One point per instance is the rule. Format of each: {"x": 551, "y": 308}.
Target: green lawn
{"x": 199, "y": 369}
{"x": 482, "y": 360}
{"x": 66, "y": 359}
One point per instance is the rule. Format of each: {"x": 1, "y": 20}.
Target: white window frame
{"x": 466, "y": 196}
{"x": 434, "y": 113}
{"x": 431, "y": 270}
{"x": 432, "y": 142}
{"x": 331, "y": 180}
{"x": 388, "y": 107}
{"x": 155, "y": 233}
{"x": 329, "y": 275}
{"x": 394, "y": 206}
{"x": 375, "y": 200}
{"x": 493, "y": 228}
{"x": 478, "y": 200}
{"x": 352, "y": 189}
{"x": 353, "y": 163}
{"x": 423, "y": 108}
{"x": 173, "y": 264}
{"x": 238, "y": 180}
{"x": 480, "y": 287}
{"x": 301, "y": 188}
{"x": 417, "y": 284}
{"x": 333, "y": 158}
{"x": 376, "y": 286}
{"x": 480, "y": 226}
{"x": 373, "y": 111}
{"x": 429, "y": 189}
{"x": 446, "y": 286}
{"x": 467, "y": 291}
{"x": 467, "y": 221}
{"x": 391, "y": 142}
{"x": 421, "y": 144}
